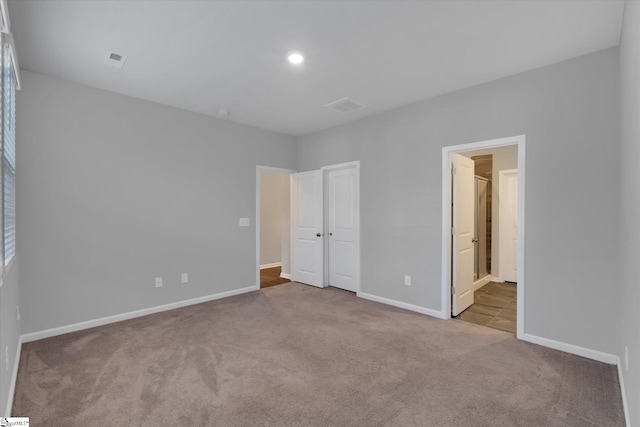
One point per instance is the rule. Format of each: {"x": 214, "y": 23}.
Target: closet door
{"x": 343, "y": 229}
{"x": 307, "y": 251}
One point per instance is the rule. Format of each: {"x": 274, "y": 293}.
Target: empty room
{"x": 320, "y": 213}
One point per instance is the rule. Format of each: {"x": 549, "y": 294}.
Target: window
{"x": 8, "y": 154}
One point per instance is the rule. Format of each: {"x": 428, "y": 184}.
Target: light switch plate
{"x": 244, "y": 222}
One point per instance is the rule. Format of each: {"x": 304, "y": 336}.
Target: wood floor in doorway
{"x": 271, "y": 277}
{"x": 495, "y": 306}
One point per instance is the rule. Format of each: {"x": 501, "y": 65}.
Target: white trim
{"x": 10, "y": 265}
{"x": 259, "y": 170}
{"x": 272, "y": 265}
{"x": 400, "y": 304}
{"x": 5, "y": 17}
{"x": 611, "y": 359}
{"x": 14, "y": 58}
{"x": 480, "y": 283}
{"x": 623, "y": 392}
{"x": 285, "y": 276}
{"x": 521, "y": 235}
{"x": 445, "y": 302}
{"x": 355, "y": 163}
{"x": 47, "y": 333}
{"x": 14, "y": 378}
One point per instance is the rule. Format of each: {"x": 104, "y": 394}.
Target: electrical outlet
{"x": 17, "y": 312}
{"x": 407, "y": 280}
{"x": 244, "y": 222}
{"x": 6, "y": 358}
{"x": 158, "y": 282}
{"x": 626, "y": 357}
{"x": 184, "y": 278}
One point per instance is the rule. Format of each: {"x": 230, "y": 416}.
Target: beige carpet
{"x": 294, "y": 355}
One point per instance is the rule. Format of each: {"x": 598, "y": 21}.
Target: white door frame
{"x": 325, "y": 170}
{"x": 259, "y": 170}
{"x": 446, "y": 221}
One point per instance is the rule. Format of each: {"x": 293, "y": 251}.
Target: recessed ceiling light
{"x": 296, "y": 58}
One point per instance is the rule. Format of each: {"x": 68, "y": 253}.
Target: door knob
{"x": 474, "y": 240}
{"x": 318, "y": 235}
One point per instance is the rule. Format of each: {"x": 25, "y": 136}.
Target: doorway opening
{"x": 273, "y": 225}
{"x": 483, "y": 233}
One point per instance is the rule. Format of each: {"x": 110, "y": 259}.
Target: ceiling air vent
{"x": 344, "y": 105}
{"x": 114, "y": 59}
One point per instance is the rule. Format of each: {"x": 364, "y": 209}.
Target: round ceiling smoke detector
{"x": 296, "y": 58}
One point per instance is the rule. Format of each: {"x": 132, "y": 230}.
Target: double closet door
{"x": 325, "y": 227}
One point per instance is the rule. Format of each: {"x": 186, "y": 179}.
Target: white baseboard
{"x": 285, "y": 276}
{"x": 611, "y": 359}
{"x": 624, "y": 394}
{"x": 400, "y": 304}
{"x": 14, "y": 378}
{"x": 480, "y": 283}
{"x": 33, "y": 336}
{"x": 272, "y": 265}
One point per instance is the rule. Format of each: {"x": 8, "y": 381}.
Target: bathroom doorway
{"x": 472, "y": 245}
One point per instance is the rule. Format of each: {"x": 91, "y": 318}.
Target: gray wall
{"x": 274, "y": 218}
{"x": 630, "y": 206}
{"x": 504, "y": 158}
{"x": 115, "y": 191}
{"x": 9, "y": 329}
{"x": 569, "y": 113}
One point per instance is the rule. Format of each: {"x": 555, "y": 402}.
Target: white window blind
{"x": 9, "y": 157}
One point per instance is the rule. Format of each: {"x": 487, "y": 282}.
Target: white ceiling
{"x": 205, "y": 56}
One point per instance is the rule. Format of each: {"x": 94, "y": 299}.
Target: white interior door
{"x": 463, "y": 233}
{"x": 342, "y": 212}
{"x": 307, "y": 260}
{"x": 508, "y": 225}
